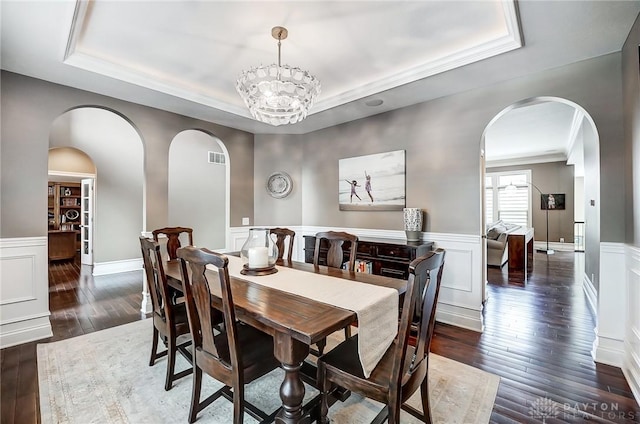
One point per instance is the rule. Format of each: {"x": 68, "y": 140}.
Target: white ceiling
{"x": 184, "y": 56}
{"x": 538, "y": 132}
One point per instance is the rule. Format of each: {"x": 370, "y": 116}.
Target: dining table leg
{"x": 291, "y": 353}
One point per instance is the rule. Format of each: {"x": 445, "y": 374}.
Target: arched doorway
{"x": 116, "y": 149}
{"x": 199, "y": 181}
{"x": 583, "y": 151}
{"x": 71, "y": 178}
{"x": 585, "y": 139}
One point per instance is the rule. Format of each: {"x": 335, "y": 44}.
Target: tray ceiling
{"x": 195, "y": 50}
{"x": 184, "y": 56}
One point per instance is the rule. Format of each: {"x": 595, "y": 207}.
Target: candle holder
{"x": 259, "y": 253}
{"x": 413, "y": 223}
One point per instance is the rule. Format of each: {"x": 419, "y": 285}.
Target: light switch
{"x": 245, "y": 221}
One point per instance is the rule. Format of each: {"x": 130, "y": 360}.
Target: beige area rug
{"x": 104, "y": 377}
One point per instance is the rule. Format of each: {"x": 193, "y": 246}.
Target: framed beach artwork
{"x": 552, "y": 201}
{"x": 372, "y": 182}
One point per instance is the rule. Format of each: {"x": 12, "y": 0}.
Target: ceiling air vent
{"x": 216, "y": 157}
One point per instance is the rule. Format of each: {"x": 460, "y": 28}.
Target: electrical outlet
{"x": 561, "y": 239}
{"x": 245, "y": 221}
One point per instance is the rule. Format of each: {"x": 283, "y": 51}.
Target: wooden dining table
{"x": 294, "y": 321}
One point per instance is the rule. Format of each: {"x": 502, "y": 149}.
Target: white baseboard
{"x": 470, "y": 319}
{"x": 561, "y": 247}
{"x": 608, "y": 350}
{"x": 631, "y": 365}
{"x": 25, "y": 330}
{"x": 127, "y": 265}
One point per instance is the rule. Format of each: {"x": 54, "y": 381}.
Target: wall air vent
{"x": 216, "y": 157}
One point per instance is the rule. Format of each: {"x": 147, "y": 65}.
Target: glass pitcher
{"x": 259, "y": 251}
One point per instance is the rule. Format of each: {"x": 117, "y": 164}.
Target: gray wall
{"x": 593, "y": 186}
{"x": 631, "y": 90}
{"x": 29, "y": 107}
{"x": 197, "y": 188}
{"x": 278, "y": 153}
{"x": 553, "y": 177}
{"x": 118, "y": 208}
{"x": 442, "y": 140}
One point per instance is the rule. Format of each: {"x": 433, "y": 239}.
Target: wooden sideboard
{"x": 388, "y": 257}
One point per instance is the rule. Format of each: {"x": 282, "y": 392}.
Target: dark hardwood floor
{"x": 537, "y": 338}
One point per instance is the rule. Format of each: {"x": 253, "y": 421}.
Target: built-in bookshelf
{"x": 64, "y": 209}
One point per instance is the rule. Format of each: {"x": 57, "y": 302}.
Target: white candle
{"x": 258, "y": 257}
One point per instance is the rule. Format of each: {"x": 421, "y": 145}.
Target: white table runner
{"x": 375, "y": 306}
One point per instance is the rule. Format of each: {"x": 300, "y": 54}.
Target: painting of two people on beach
{"x": 372, "y": 182}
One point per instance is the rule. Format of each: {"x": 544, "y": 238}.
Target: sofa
{"x": 497, "y": 246}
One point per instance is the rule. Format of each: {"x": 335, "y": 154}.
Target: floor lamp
{"x": 512, "y": 187}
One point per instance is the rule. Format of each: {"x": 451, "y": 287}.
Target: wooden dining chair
{"x": 335, "y": 253}
{"x": 335, "y": 259}
{"x": 235, "y": 356}
{"x": 173, "y": 238}
{"x": 281, "y": 236}
{"x": 169, "y": 319}
{"x": 403, "y": 368}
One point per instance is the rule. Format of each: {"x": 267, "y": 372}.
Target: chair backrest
{"x": 156, "y": 278}
{"x": 335, "y": 254}
{"x": 173, "y": 238}
{"x": 423, "y": 286}
{"x": 281, "y": 236}
{"x": 202, "y": 316}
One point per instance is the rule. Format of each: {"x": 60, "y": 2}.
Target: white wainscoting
{"x": 591, "y": 293}
{"x": 631, "y": 364}
{"x": 608, "y": 346}
{"x": 461, "y": 293}
{"x": 237, "y": 236}
{"x": 24, "y": 291}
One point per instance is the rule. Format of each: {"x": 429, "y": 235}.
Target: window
{"x": 507, "y": 197}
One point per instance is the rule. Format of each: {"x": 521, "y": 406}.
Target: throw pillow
{"x": 495, "y": 232}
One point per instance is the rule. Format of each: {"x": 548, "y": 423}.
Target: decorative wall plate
{"x": 279, "y": 185}
{"x": 72, "y": 214}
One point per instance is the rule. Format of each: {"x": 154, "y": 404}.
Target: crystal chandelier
{"x": 278, "y": 94}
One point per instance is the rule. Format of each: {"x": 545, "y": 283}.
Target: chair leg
{"x": 154, "y": 346}
{"x": 324, "y": 387}
{"x": 238, "y": 405}
{"x": 347, "y": 332}
{"x": 171, "y": 362}
{"x": 195, "y": 393}
{"x": 426, "y": 407}
{"x": 394, "y": 413}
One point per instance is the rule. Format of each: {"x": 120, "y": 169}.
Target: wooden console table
{"x": 520, "y": 243}
{"x": 62, "y": 244}
{"x": 388, "y": 257}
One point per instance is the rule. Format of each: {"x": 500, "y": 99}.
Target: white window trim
{"x": 495, "y": 186}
